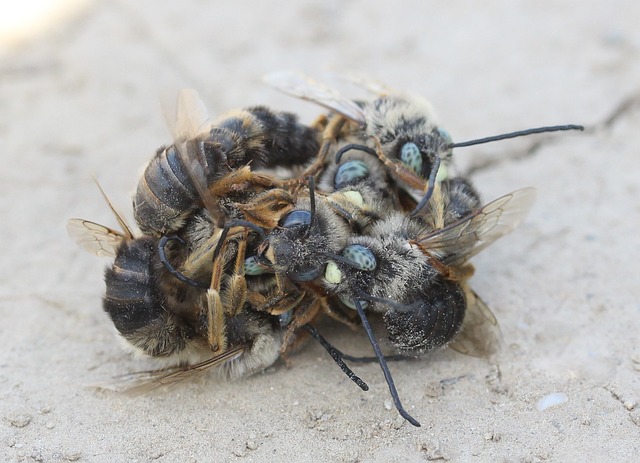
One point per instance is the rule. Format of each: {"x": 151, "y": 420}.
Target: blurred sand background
{"x": 80, "y": 85}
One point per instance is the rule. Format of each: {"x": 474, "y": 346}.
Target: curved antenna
{"x": 230, "y": 225}
{"x": 520, "y": 133}
{"x": 169, "y": 266}
{"x": 354, "y": 146}
{"x": 312, "y": 199}
{"x": 383, "y": 365}
{"x": 337, "y": 357}
{"x": 432, "y": 184}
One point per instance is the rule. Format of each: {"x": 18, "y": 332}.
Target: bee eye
{"x": 346, "y": 300}
{"x": 308, "y": 274}
{"x": 361, "y": 256}
{"x": 410, "y": 155}
{"x": 251, "y": 266}
{"x": 446, "y": 136}
{"x": 296, "y": 219}
{"x": 285, "y": 318}
{"x": 349, "y": 173}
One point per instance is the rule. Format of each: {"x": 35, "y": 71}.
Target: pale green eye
{"x": 332, "y": 273}
{"x": 361, "y": 256}
{"x": 410, "y": 155}
{"x": 346, "y": 300}
{"x": 285, "y": 318}
{"x": 349, "y": 173}
{"x": 251, "y": 266}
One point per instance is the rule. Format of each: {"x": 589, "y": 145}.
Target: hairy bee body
{"x": 259, "y": 137}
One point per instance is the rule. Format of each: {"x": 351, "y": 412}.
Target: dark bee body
{"x": 166, "y": 193}
{"x": 138, "y": 302}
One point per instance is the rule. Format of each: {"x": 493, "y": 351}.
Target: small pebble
{"x": 551, "y": 400}
{"x": 19, "y": 420}
{"x": 252, "y": 445}
{"x": 388, "y": 404}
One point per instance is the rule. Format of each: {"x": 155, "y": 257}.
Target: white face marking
{"x": 355, "y": 198}
{"x": 443, "y": 173}
{"x": 332, "y": 273}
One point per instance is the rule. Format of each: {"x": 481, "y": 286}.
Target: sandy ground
{"x": 80, "y": 98}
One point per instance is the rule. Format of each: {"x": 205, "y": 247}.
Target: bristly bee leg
{"x": 169, "y": 266}
{"x": 337, "y": 356}
{"x": 383, "y": 365}
{"x": 216, "y": 311}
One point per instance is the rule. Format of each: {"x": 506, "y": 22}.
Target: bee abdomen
{"x": 288, "y": 141}
{"x": 134, "y": 303}
{"x": 432, "y": 324}
{"x": 463, "y": 199}
{"x": 165, "y": 193}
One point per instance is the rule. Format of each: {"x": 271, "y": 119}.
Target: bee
{"x": 413, "y": 271}
{"x": 155, "y": 295}
{"x": 166, "y": 194}
{"x": 159, "y": 316}
{"x": 400, "y": 130}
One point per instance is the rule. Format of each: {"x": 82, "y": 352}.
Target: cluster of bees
{"x": 254, "y": 225}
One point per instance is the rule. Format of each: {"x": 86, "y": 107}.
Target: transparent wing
{"x": 458, "y": 242}
{"x": 303, "y": 87}
{"x": 186, "y": 123}
{"x": 480, "y": 334}
{"x": 367, "y": 83}
{"x": 145, "y": 381}
{"x": 95, "y": 238}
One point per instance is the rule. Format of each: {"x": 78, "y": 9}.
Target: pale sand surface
{"x": 81, "y": 99}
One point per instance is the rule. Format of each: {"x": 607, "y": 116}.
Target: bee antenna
{"x": 383, "y": 365}
{"x": 235, "y": 223}
{"x": 354, "y": 146}
{"x": 432, "y": 184}
{"x": 337, "y": 356}
{"x": 312, "y": 199}
{"x": 520, "y": 133}
{"x": 169, "y": 266}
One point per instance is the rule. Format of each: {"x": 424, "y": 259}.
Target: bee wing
{"x": 480, "y": 334}
{"x": 305, "y": 88}
{"x": 186, "y": 123}
{"x": 458, "y": 242}
{"x": 145, "y": 381}
{"x": 95, "y": 238}
{"x": 367, "y": 83}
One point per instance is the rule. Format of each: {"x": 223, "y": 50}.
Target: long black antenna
{"x": 230, "y": 225}
{"x": 337, "y": 357}
{"x": 383, "y": 365}
{"x": 520, "y": 133}
{"x": 312, "y": 200}
{"x": 169, "y": 266}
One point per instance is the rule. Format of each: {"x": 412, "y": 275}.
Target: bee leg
{"x": 383, "y": 365}
{"x": 337, "y": 357}
{"x": 216, "y": 312}
{"x": 329, "y": 137}
{"x": 236, "y": 294}
{"x": 302, "y": 316}
{"x": 341, "y": 317}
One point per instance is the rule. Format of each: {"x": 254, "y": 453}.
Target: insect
{"x": 160, "y": 316}
{"x": 413, "y": 271}
{"x": 167, "y": 194}
{"x": 401, "y": 131}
